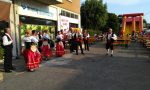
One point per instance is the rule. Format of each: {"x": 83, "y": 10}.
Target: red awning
{"x": 5, "y": 10}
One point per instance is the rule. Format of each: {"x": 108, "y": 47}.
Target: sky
{"x": 120, "y": 7}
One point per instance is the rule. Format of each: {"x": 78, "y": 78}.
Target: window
{"x": 67, "y": 14}
{"x": 70, "y": 0}
{"x": 63, "y": 13}
{"x": 72, "y": 15}
{"x": 76, "y": 16}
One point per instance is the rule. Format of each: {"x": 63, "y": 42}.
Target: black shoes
{"x": 8, "y": 71}
{"x": 13, "y": 68}
{"x": 111, "y": 55}
{"x": 81, "y": 53}
{"x": 106, "y": 54}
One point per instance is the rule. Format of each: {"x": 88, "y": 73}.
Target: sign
{"x": 64, "y": 22}
{"x": 35, "y": 12}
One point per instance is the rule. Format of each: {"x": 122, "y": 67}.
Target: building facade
{"x": 51, "y": 15}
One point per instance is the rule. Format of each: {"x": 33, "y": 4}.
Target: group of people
{"x": 74, "y": 39}
{"x": 36, "y": 46}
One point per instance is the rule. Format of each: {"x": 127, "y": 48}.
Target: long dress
{"x": 31, "y": 54}
{"x": 46, "y": 50}
{"x": 33, "y": 59}
{"x": 59, "y": 49}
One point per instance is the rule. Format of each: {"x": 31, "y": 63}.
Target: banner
{"x": 64, "y": 24}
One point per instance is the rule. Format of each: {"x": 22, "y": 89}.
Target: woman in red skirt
{"x": 59, "y": 46}
{"x": 30, "y": 52}
{"x": 46, "y": 50}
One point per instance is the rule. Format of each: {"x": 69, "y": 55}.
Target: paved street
{"x": 129, "y": 69}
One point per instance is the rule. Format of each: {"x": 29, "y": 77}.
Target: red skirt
{"x": 59, "y": 50}
{"x": 33, "y": 59}
{"x": 46, "y": 51}
{"x": 25, "y": 53}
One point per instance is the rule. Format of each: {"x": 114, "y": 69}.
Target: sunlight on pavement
{"x": 59, "y": 61}
{"x": 1, "y": 73}
{"x": 1, "y": 76}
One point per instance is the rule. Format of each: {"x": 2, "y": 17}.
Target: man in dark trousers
{"x": 40, "y": 37}
{"x": 78, "y": 42}
{"x": 86, "y": 39}
{"x": 110, "y": 37}
{"x": 8, "y": 46}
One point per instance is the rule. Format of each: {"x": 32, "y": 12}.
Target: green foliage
{"x": 92, "y": 32}
{"x": 149, "y": 27}
{"x": 145, "y": 23}
{"x": 52, "y": 44}
{"x": 24, "y": 27}
{"x": 1, "y": 52}
{"x": 93, "y": 14}
{"x": 113, "y": 22}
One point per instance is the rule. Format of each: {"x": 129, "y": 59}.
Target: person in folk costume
{"x": 35, "y": 35}
{"x": 63, "y": 35}
{"x": 78, "y": 42}
{"x": 40, "y": 36}
{"x": 30, "y": 52}
{"x": 74, "y": 42}
{"x": 59, "y": 45}
{"x": 26, "y": 42}
{"x": 110, "y": 37}
{"x": 46, "y": 34}
{"x": 86, "y": 39}
{"x": 8, "y": 46}
{"x": 70, "y": 40}
{"x": 46, "y": 52}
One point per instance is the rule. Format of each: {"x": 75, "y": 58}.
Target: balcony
{"x": 51, "y": 2}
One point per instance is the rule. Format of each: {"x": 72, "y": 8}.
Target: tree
{"x": 93, "y": 14}
{"x": 113, "y": 22}
{"x": 145, "y": 23}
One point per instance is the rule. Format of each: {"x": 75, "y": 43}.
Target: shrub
{"x": 1, "y": 52}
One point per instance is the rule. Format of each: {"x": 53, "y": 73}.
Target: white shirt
{"x": 5, "y": 40}
{"x": 45, "y": 35}
{"x": 29, "y": 39}
{"x": 110, "y": 36}
{"x": 60, "y": 36}
{"x": 69, "y": 35}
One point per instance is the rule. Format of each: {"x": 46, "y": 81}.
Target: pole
{"x": 17, "y": 56}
